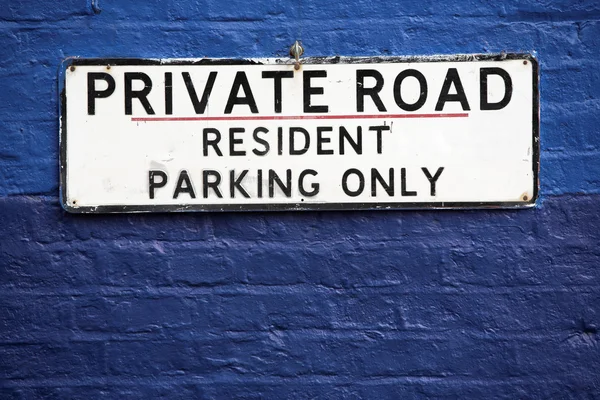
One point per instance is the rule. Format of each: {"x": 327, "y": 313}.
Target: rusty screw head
{"x": 108, "y": 66}
{"x": 525, "y": 198}
{"x": 525, "y": 62}
{"x": 72, "y": 68}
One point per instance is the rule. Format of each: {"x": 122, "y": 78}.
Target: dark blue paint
{"x": 388, "y": 305}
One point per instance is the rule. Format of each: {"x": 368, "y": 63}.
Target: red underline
{"x": 296, "y": 117}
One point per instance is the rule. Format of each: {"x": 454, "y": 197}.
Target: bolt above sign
{"x": 141, "y": 135}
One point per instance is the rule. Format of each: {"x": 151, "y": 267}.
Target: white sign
{"x": 339, "y": 133}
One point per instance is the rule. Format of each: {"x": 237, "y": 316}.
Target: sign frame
{"x": 71, "y": 62}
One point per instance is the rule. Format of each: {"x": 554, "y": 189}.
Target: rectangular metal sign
{"x": 338, "y": 133}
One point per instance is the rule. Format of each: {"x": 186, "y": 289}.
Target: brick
{"x": 29, "y": 393}
{"x": 588, "y": 33}
{"x": 156, "y": 391}
{"x": 153, "y": 11}
{"x": 258, "y": 312}
{"x": 362, "y": 310}
{"x": 261, "y": 312}
{"x": 31, "y": 265}
{"x": 153, "y": 358}
{"x": 27, "y": 318}
{"x": 289, "y": 390}
{"x": 22, "y": 11}
{"x": 577, "y": 80}
{"x": 253, "y": 355}
{"x": 131, "y": 264}
{"x": 300, "y": 311}
{"x": 238, "y": 313}
{"x": 474, "y": 389}
{"x": 195, "y": 265}
{"x": 136, "y": 315}
{"x": 572, "y": 172}
{"x": 518, "y": 310}
{"x": 235, "y": 11}
{"x": 569, "y": 131}
{"x": 271, "y": 264}
{"x": 29, "y": 361}
{"x": 24, "y": 83}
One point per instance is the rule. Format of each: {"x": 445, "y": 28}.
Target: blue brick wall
{"x": 387, "y": 305}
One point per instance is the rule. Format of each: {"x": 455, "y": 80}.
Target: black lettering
{"x": 312, "y": 90}
{"x": 241, "y": 81}
{"x": 94, "y": 94}
{"x": 261, "y": 141}
{"x": 452, "y": 77}
{"x": 321, "y": 139}
{"x": 168, "y": 93}
{"x": 199, "y": 106}
{"x": 211, "y": 142}
{"x": 398, "y": 90}
{"x": 403, "y": 190}
{"x": 314, "y": 186}
{"x": 279, "y": 140}
{"x": 484, "y": 104}
{"x": 274, "y": 178}
{"x": 379, "y": 129}
{"x": 259, "y": 184}
{"x": 277, "y": 76}
{"x": 233, "y": 141}
{"x": 362, "y": 91}
{"x": 304, "y": 149}
{"x": 361, "y": 182}
{"x": 214, "y": 185}
{"x": 236, "y": 183}
{"x": 432, "y": 179}
{"x": 153, "y": 184}
{"x": 345, "y": 136}
{"x": 180, "y": 188}
{"x": 141, "y": 95}
{"x": 387, "y": 186}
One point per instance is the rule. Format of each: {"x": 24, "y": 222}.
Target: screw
{"x": 72, "y": 68}
{"x": 525, "y": 198}
{"x": 108, "y": 67}
{"x": 296, "y": 51}
{"x": 525, "y": 62}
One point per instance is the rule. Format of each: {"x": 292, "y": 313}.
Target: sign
{"x": 338, "y": 133}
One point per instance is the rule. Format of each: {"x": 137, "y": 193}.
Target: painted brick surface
{"x": 388, "y": 305}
